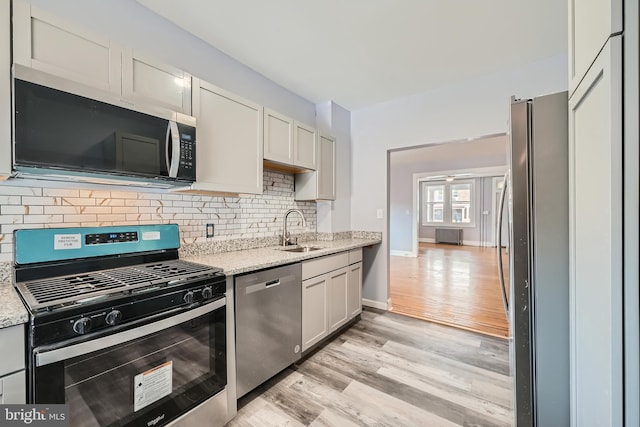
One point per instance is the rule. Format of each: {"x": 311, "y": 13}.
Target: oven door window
{"x": 154, "y": 377}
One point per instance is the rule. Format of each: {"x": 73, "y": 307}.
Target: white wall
{"x": 470, "y": 108}
{"x": 131, "y": 24}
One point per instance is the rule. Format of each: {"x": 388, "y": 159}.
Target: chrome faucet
{"x": 286, "y": 237}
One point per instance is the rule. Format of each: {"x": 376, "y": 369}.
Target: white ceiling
{"x": 361, "y": 52}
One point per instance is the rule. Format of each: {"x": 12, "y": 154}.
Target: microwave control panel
{"x": 187, "y": 154}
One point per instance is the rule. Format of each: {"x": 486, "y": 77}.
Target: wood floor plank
{"x": 453, "y": 285}
{"x": 480, "y": 405}
{"x": 392, "y": 412}
{"x": 389, "y": 370}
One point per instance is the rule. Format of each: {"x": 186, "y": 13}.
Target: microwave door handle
{"x": 175, "y": 149}
{"x": 167, "y": 142}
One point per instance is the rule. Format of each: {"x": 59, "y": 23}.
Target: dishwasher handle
{"x": 263, "y": 286}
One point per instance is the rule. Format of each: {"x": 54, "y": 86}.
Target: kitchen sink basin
{"x": 301, "y": 249}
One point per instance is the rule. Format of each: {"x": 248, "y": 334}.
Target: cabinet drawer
{"x": 13, "y": 389}
{"x": 323, "y": 265}
{"x": 12, "y": 345}
{"x": 355, "y": 255}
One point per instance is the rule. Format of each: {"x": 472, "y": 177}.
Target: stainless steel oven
{"x": 137, "y": 344}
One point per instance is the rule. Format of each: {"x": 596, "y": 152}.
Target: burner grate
{"x": 47, "y": 290}
{"x": 64, "y": 289}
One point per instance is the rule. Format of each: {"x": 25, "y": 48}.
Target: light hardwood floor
{"x": 390, "y": 370}
{"x": 454, "y": 285}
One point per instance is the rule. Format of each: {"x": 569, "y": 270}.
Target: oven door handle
{"x": 64, "y": 353}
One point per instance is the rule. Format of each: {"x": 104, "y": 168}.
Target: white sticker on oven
{"x": 150, "y": 235}
{"x": 67, "y": 241}
{"x": 152, "y": 385}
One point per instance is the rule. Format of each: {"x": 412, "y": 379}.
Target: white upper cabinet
{"x": 229, "y": 141}
{"x": 54, "y": 46}
{"x": 327, "y": 168}
{"x": 5, "y": 89}
{"x": 288, "y": 144}
{"x": 151, "y": 82}
{"x": 321, "y": 184}
{"x": 591, "y": 23}
{"x": 278, "y": 137}
{"x": 47, "y": 43}
{"x": 304, "y": 138}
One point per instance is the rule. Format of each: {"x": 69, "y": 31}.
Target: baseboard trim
{"x": 426, "y": 240}
{"x": 375, "y": 304}
{"x": 402, "y": 253}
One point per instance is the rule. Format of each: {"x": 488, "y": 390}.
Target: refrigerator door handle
{"x": 503, "y": 193}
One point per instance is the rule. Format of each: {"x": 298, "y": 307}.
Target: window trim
{"x": 448, "y": 203}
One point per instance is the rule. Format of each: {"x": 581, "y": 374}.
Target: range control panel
{"x": 114, "y": 237}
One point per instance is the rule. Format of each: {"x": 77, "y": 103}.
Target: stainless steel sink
{"x": 300, "y": 248}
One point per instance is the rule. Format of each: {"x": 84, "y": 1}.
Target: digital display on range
{"x": 100, "y": 238}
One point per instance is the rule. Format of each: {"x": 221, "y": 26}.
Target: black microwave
{"x": 57, "y": 131}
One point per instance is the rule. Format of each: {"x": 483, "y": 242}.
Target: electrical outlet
{"x": 379, "y": 214}
{"x": 210, "y": 230}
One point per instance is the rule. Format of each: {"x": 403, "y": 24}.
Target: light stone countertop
{"x": 12, "y": 310}
{"x": 256, "y": 259}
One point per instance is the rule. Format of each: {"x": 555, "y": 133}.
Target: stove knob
{"x": 82, "y": 325}
{"x": 188, "y": 297}
{"x": 207, "y": 292}
{"x": 113, "y": 317}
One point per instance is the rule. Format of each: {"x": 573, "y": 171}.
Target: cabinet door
{"x": 354, "y": 290}
{"x": 158, "y": 84}
{"x": 47, "y": 43}
{"x": 229, "y": 141}
{"x": 5, "y": 89}
{"x": 327, "y": 168}
{"x": 278, "y": 137}
{"x": 338, "y": 298}
{"x": 590, "y": 25}
{"x": 595, "y": 239}
{"x": 319, "y": 184}
{"x": 315, "y": 325}
{"x": 13, "y": 389}
{"x": 304, "y": 138}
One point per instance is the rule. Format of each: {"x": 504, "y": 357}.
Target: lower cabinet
{"x": 331, "y": 294}
{"x": 337, "y": 291}
{"x": 12, "y": 374}
{"x": 315, "y": 323}
{"x": 354, "y": 290}
{"x": 12, "y": 388}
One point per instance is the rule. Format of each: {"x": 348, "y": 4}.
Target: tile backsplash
{"x": 244, "y": 217}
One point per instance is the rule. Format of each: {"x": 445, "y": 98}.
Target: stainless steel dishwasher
{"x": 268, "y": 324}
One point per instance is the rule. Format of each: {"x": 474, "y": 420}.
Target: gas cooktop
{"x": 67, "y": 267}
{"x": 85, "y": 287}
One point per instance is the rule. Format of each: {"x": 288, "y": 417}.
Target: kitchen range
{"x": 120, "y": 329}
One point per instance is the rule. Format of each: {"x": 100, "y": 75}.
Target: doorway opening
{"x": 443, "y": 259}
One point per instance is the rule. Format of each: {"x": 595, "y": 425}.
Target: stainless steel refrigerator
{"x": 537, "y": 197}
